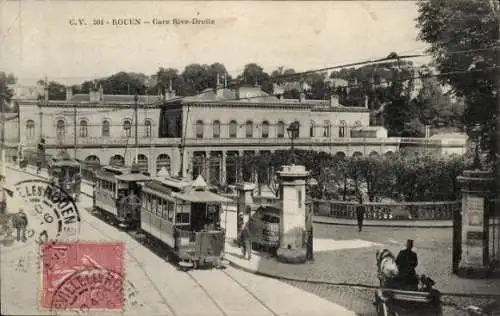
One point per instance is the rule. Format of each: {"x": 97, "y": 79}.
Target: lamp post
{"x": 293, "y": 132}
{"x": 136, "y": 98}
{"x": 475, "y": 134}
{"x": 181, "y": 169}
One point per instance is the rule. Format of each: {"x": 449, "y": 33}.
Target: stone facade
{"x": 97, "y": 128}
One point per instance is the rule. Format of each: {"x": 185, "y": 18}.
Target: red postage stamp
{"x": 79, "y": 276}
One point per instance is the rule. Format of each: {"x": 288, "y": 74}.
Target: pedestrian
{"x": 407, "y": 261}
{"x": 360, "y": 215}
{"x": 20, "y": 222}
{"x": 246, "y": 242}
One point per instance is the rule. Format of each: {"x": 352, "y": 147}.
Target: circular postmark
{"x": 53, "y": 212}
{"x": 93, "y": 289}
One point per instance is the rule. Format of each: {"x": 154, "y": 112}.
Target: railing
{"x": 388, "y": 211}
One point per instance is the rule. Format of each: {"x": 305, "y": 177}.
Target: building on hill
{"x": 201, "y": 133}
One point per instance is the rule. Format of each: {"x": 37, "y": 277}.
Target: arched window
{"x": 233, "y": 129}
{"x": 281, "y": 129}
{"x": 83, "y": 128}
{"x": 147, "y": 128}
{"x": 60, "y": 130}
{"x": 127, "y": 128}
{"x": 311, "y": 129}
{"x": 265, "y": 129}
{"x": 142, "y": 162}
{"x": 326, "y": 129}
{"x": 105, "y": 128}
{"x": 199, "y": 129}
{"x": 342, "y": 129}
{"x": 117, "y": 160}
{"x": 249, "y": 129}
{"x": 163, "y": 160}
{"x": 30, "y": 128}
{"x": 216, "y": 129}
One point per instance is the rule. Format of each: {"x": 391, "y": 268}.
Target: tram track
{"x": 134, "y": 258}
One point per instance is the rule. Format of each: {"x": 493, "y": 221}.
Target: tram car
{"x": 117, "y": 194}
{"x": 184, "y": 216}
{"x": 66, "y": 173}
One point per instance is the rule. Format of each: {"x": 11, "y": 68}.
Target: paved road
{"x": 158, "y": 287}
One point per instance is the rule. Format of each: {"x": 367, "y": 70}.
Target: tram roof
{"x": 64, "y": 163}
{"x": 133, "y": 177}
{"x": 201, "y": 197}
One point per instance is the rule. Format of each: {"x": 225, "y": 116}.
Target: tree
{"x": 6, "y": 92}
{"x": 255, "y": 74}
{"x": 196, "y": 79}
{"x": 463, "y": 37}
{"x": 166, "y": 76}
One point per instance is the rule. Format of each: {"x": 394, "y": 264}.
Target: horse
{"x": 386, "y": 267}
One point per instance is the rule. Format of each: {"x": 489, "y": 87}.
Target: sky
{"x": 38, "y": 40}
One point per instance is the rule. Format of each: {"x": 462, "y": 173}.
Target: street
{"x": 155, "y": 286}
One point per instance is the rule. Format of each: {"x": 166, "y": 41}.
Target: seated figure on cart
{"x": 407, "y": 261}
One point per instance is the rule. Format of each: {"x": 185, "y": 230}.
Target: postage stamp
{"x": 43, "y": 211}
{"x": 82, "y": 276}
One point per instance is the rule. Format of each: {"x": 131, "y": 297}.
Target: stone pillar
{"x": 292, "y": 181}
{"x": 477, "y": 189}
{"x": 245, "y": 201}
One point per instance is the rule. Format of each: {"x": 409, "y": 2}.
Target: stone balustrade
{"x": 442, "y": 210}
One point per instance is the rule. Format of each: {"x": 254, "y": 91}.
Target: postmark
{"x": 81, "y": 276}
{"x": 52, "y": 212}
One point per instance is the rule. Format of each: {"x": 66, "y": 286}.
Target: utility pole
{"x": 136, "y": 159}
{"x": 74, "y": 131}
{"x": 3, "y": 176}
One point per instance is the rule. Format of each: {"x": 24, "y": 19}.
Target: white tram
{"x": 117, "y": 194}
{"x": 185, "y": 216}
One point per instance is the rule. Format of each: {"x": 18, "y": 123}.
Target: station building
{"x": 200, "y": 134}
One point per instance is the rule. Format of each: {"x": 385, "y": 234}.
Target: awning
{"x": 202, "y": 197}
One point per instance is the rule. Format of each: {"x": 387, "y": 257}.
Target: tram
{"x": 67, "y": 174}
{"x": 184, "y": 216}
{"x": 117, "y": 194}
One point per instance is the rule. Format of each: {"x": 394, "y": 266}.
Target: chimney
{"x": 94, "y": 93}
{"x": 219, "y": 88}
{"x": 46, "y": 90}
{"x": 334, "y": 100}
{"x": 302, "y": 97}
{"x": 366, "y": 101}
{"x": 69, "y": 93}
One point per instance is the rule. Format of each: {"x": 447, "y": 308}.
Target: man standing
{"x": 407, "y": 261}
{"x": 246, "y": 242}
{"x": 20, "y": 222}
{"x": 360, "y": 215}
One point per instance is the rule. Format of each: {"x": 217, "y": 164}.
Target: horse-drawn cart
{"x": 400, "y": 295}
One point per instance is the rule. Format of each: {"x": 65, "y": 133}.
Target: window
{"x": 311, "y": 129}
{"x": 83, "y": 128}
{"x": 265, "y": 129}
{"x": 105, "y": 128}
{"x": 182, "y": 217}
{"x": 171, "y": 212}
{"x": 342, "y": 129}
{"x": 127, "y": 128}
{"x": 163, "y": 160}
{"x": 199, "y": 129}
{"x": 281, "y": 129}
{"x": 147, "y": 128}
{"x": 249, "y": 129}
{"x": 154, "y": 205}
{"x": 30, "y": 128}
{"x": 233, "y": 129}
{"x": 216, "y": 129}
{"x": 326, "y": 129}
{"x": 60, "y": 130}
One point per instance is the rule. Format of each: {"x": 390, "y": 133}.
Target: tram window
{"x": 165, "y": 209}
{"x": 182, "y": 218}
{"x": 171, "y": 212}
{"x": 154, "y": 206}
{"x": 147, "y": 201}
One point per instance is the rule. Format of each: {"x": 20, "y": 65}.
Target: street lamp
{"x": 181, "y": 152}
{"x": 475, "y": 135}
{"x": 293, "y": 132}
